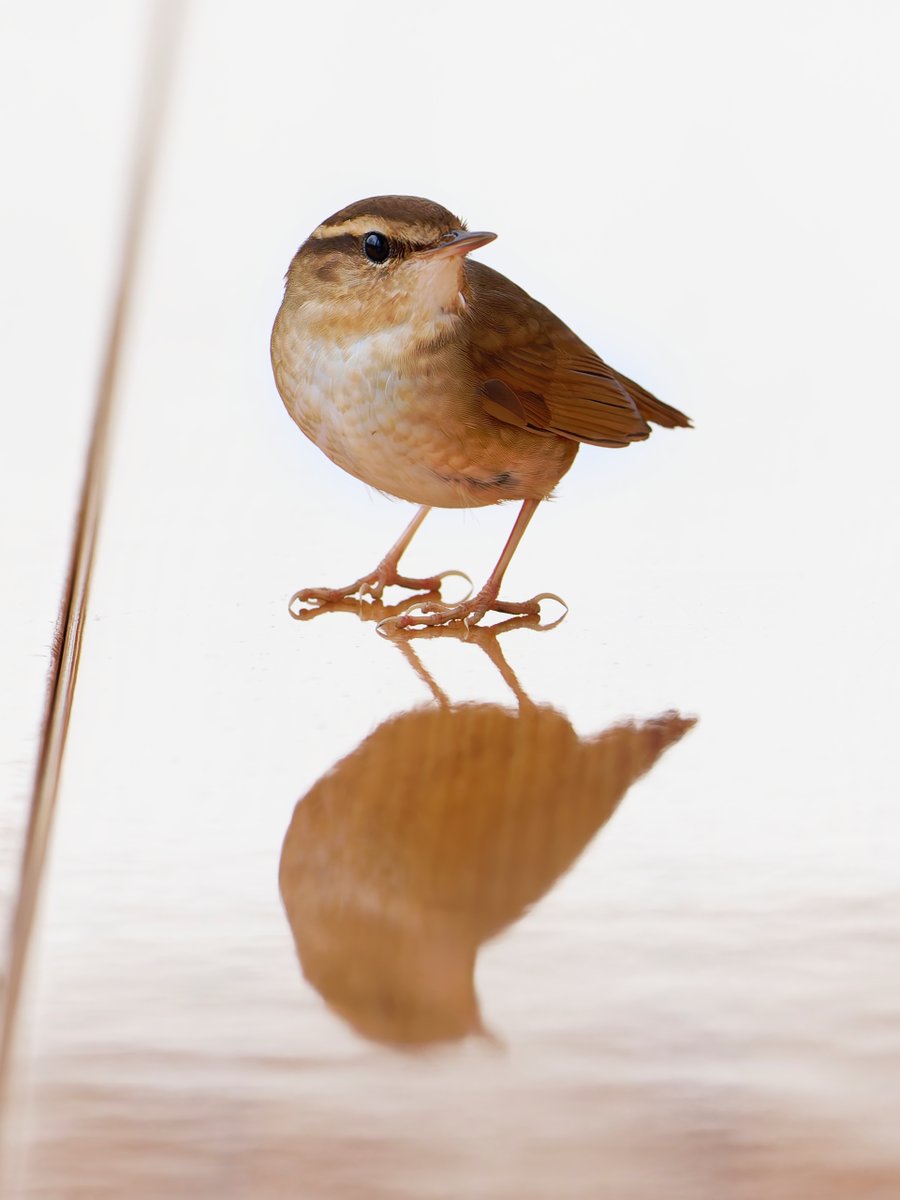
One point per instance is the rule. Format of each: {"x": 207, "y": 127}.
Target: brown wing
{"x": 535, "y": 373}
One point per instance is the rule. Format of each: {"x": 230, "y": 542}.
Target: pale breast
{"x": 410, "y": 425}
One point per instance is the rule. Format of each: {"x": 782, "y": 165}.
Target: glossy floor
{"x": 611, "y": 909}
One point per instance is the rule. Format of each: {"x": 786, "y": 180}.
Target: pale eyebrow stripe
{"x": 360, "y": 226}
{"x": 355, "y": 225}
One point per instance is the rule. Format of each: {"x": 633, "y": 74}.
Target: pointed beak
{"x": 460, "y": 241}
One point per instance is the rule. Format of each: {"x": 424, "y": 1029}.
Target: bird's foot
{"x": 372, "y": 587}
{"x": 423, "y": 614}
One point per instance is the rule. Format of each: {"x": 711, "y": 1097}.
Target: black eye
{"x": 376, "y": 247}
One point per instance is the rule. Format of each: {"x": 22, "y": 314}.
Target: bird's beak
{"x": 460, "y": 241}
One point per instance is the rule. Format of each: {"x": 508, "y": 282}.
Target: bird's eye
{"x": 376, "y": 247}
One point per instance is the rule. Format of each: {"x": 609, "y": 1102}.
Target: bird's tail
{"x": 652, "y": 409}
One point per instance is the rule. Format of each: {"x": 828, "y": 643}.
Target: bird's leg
{"x": 489, "y": 643}
{"x": 432, "y": 612}
{"x": 484, "y": 636}
{"x": 384, "y": 575}
{"x": 416, "y": 663}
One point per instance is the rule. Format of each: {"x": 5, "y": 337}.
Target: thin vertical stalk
{"x": 66, "y": 651}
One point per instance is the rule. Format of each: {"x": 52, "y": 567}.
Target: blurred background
{"x": 695, "y": 999}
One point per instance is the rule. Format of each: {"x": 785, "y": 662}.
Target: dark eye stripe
{"x": 348, "y": 243}
{"x": 344, "y": 243}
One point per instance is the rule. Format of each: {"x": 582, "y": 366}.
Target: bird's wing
{"x": 535, "y": 373}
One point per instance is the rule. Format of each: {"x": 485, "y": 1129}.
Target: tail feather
{"x": 652, "y": 409}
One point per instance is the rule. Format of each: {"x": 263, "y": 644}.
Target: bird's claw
{"x": 371, "y": 587}
{"x": 430, "y": 613}
{"x": 453, "y": 573}
{"x": 317, "y": 597}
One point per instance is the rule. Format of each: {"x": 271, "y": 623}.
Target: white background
{"x": 707, "y": 193}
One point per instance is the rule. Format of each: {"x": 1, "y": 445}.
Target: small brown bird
{"x": 435, "y": 379}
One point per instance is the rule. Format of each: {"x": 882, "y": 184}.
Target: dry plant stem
{"x": 384, "y": 575}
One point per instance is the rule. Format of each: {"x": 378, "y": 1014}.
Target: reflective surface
{"x": 612, "y": 970}
{"x": 436, "y": 833}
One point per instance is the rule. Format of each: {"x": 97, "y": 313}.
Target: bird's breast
{"x": 406, "y": 419}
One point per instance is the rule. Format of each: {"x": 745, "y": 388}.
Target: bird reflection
{"x": 437, "y": 832}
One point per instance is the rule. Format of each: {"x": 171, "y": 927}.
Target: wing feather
{"x": 536, "y": 374}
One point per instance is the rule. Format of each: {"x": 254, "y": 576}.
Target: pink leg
{"x": 384, "y": 575}
{"x": 432, "y": 612}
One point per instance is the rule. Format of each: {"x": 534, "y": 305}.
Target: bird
{"x": 433, "y": 378}
{"x": 436, "y": 833}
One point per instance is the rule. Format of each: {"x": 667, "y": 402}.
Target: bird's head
{"x": 381, "y": 264}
